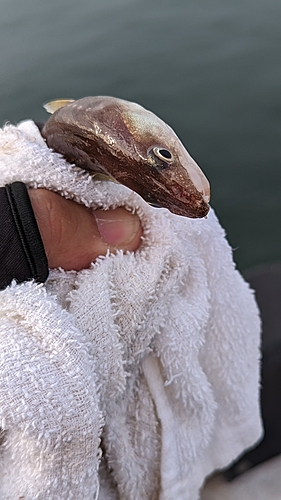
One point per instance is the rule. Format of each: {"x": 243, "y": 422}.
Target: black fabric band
{"x": 21, "y": 248}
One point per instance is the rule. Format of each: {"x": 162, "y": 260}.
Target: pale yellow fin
{"x": 52, "y": 106}
{"x": 98, "y": 176}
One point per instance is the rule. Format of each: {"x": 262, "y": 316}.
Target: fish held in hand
{"x": 124, "y": 142}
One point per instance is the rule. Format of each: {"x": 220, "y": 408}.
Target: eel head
{"x": 130, "y": 145}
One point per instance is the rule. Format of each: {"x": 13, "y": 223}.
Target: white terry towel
{"x": 133, "y": 379}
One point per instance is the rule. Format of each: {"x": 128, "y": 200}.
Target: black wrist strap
{"x": 27, "y": 230}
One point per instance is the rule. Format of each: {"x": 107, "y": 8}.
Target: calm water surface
{"x": 210, "y": 68}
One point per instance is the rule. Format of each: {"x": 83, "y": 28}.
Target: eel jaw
{"x": 179, "y": 193}
{"x": 187, "y": 202}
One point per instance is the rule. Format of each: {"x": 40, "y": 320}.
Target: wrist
{"x": 22, "y": 251}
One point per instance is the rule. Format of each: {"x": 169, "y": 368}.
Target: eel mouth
{"x": 195, "y": 208}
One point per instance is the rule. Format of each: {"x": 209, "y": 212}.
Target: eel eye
{"x": 163, "y": 154}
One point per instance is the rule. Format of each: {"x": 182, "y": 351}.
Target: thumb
{"x": 118, "y": 228}
{"x": 74, "y": 236}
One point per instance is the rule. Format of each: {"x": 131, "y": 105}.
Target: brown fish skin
{"x": 134, "y": 147}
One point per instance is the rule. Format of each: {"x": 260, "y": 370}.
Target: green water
{"x": 211, "y": 69}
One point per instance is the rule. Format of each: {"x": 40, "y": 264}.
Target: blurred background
{"x": 210, "y": 68}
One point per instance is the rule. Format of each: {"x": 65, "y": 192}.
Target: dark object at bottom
{"x": 266, "y": 281}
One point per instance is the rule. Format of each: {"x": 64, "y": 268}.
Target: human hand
{"x": 74, "y": 235}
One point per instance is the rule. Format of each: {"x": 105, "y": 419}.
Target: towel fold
{"x": 133, "y": 379}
